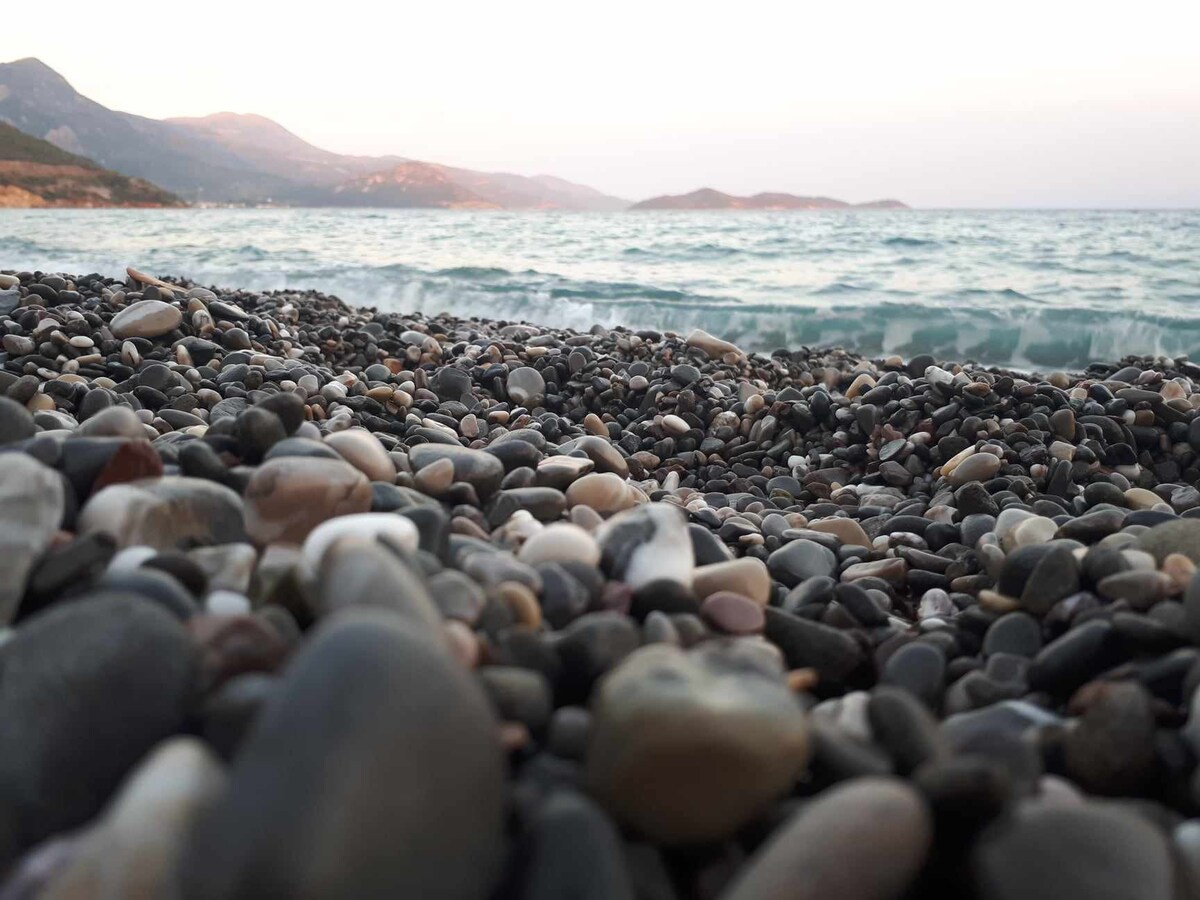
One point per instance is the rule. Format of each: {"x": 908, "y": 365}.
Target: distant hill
{"x": 411, "y": 184}
{"x": 35, "y": 173}
{"x": 236, "y": 158}
{"x": 707, "y": 198}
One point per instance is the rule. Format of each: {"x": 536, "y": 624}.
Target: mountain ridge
{"x": 712, "y": 199}
{"x": 242, "y": 158}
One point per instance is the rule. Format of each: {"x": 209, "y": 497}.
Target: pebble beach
{"x": 305, "y": 600}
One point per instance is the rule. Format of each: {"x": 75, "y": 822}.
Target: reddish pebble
{"x": 464, "y": 646}
{"x": 732, "y": 613}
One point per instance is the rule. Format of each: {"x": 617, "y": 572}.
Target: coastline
{"x": 716, "y": 606}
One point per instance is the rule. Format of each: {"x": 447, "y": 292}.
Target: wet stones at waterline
{"x": 308, "y": 600}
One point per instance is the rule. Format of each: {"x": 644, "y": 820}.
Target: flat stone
{"x": 146, "y": 319}
{"x": 744, "y": 737}
{"x": 847, "y": 531}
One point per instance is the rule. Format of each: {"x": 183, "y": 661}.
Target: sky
{"x": 1054, "y": 103}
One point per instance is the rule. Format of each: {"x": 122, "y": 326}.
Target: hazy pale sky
{"x": 1047, "y": 103}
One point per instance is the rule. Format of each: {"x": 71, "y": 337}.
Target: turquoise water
{"x": 1027, "y": 288}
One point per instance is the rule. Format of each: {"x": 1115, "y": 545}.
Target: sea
{"x": 1028, "y": 289}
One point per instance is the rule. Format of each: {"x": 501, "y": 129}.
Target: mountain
{"x": 234, "y": 158}
{"x": 272, "y": 148}
{"x": 411, "y": 184}
{"x": 707, "y": 198}
{"x": 36, "y": 173}
{"x": 269, "y": 147}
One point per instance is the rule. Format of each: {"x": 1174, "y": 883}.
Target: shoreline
{"x": 627, "y": 613}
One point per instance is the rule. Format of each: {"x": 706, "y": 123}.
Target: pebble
{"x": 33, "y": 503}
{"x": 88, "y": 689}
{"x": 288, "y": 497}
{"x": 412, "y": 729}
{"x": 363, "y": 451}
{"x": 977, "y": 582}
{"x": 146, "y": 319}
{"x": 745, "y": 738}
{"x": 1115, "y": 855}
{"x": 560, "y": 542}
{"x": 864, "y": 840}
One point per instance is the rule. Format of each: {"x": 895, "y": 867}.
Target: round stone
{"x": 525, "y": 386}
{"x": 688, "y": 747}
{"x": 977, "y": 467}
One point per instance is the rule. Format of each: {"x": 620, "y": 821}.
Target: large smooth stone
{"x": 1090, "y": 851}
{"x": 288, "y": 497}
{"x": 86, "y": 689}
{"x": 688, "y": 747}
{"x": 166, "y": 514}
{"x": 133, "y": 849}
{"x": 863, "y": 840}
{"x": 645, "y": 544}
{"x": 31, "y": 510}
{"x": 483, "y": 471}
{"x": 145, "y": 319}
{"x": 373, "y": 772}
{"x": 362, "y": 450}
